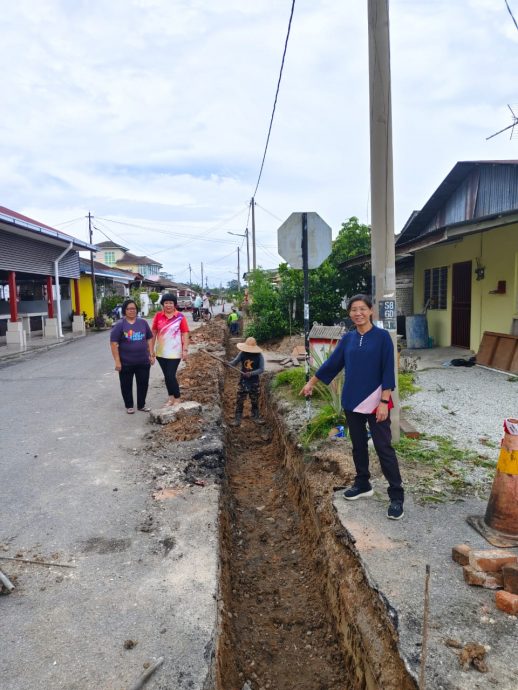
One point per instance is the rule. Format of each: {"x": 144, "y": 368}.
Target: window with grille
{"x": 109, "y": 258}
{"x": 436, "y": 287}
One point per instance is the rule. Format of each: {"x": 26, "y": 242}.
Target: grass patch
{"x": 406, "y": 384}
{"x": 448, "y": 467}
{"x": 294, "y": 379}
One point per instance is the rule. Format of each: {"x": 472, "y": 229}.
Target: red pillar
{"x": 50, "y": 300}
{"x": 76, "y": 297}
{"x": 13, "y": 302}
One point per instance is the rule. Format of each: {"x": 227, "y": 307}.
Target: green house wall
{"x": 497, "y": 251}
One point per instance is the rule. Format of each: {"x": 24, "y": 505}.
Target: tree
{"x": 329, "y": 283}
{"x": 278, "y": 309}
{"x": 265, "y": 310}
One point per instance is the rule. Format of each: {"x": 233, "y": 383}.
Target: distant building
{"x": 39, "y": 279}
{"x": 112, "y": 254}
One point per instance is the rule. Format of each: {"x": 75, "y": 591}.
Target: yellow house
{"x": 108, "y": 281}
{"x": 465, "y": 247}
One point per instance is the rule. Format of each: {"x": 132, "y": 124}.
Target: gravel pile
{"x": 469, "y": 404}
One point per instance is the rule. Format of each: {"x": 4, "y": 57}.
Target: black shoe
{"x": 236, "y": 421}
{"x": 395, "y": 510}
{"x": 354, "y": 492}
{"x": 257, "y": 420}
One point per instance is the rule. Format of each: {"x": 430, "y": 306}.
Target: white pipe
{"x": 58, "y": 291}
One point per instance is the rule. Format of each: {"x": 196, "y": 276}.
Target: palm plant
{"x": 331, "y": 413}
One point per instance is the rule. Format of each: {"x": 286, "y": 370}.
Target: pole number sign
{"x": 388, "y": 314}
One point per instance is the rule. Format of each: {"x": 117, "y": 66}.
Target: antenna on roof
{"x": 511, "y": 126}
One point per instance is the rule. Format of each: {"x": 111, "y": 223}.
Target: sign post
{"x": 304, "y": 241}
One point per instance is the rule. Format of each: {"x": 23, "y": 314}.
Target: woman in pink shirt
{"x": 170, "y": 341}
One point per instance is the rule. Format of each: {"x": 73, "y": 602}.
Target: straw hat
{"x": 250, "y": 345}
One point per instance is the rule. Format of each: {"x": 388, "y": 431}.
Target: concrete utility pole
{"x": 190, "y": 281}
{"x": 246, "y": 233}
{"x": 254, "y": 264}
{"x": 92, "y": 268}
{"x": 382, "y": 189}
{"x": 202, "y": 275}
{"x": 238, "y": 272}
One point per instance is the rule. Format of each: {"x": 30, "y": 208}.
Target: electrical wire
{"x": 275, "y": 101}
{"x": 218, "y": 226}
{"x": 67, "y": 222}
{"x": 268, "y": 212}
{"x": 267, "y": 251}
{"x": 511, "y": 13}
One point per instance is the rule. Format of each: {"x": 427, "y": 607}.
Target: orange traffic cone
{"x": 500, "y": 523}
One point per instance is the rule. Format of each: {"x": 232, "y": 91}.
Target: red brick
{"x": 460, "y": 554}
{"x": 510, "y": 573}
{"x": 482, "y": 579}
{"x": 491, "y": 560}
{"x": 507, "y": 602}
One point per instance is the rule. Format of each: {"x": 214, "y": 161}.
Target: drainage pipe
{"x": 58, "y": 290}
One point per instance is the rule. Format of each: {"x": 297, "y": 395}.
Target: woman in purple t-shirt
{"x": 131, "y": 345}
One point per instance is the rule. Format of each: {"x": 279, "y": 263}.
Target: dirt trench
{"x": 296, "y": 608}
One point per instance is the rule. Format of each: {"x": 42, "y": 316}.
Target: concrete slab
{"x": 434, "y": 357}
{"x": 395, "y": 555}
{"x": 164, "y": 415}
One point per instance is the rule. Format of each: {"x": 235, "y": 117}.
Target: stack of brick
{"x": 492, "y": 569}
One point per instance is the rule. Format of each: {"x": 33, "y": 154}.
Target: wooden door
{"x": 461, "y": 304}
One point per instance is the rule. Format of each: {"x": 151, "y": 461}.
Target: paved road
{"x": 73, "y": 487}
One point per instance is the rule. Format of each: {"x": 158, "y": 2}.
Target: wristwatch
{"x": 384, "y": 401}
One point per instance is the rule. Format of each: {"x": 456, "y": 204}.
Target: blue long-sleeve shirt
{"x": 368, "y": 361}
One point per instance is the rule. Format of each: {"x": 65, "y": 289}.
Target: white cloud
{"x": 155, "y": 112}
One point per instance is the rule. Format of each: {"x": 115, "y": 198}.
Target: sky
{"x": 152, "y": 115}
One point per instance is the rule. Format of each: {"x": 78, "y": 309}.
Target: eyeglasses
{"x": 131, "y": 308}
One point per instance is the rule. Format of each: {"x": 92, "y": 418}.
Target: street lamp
{"x": 247, "y": 247}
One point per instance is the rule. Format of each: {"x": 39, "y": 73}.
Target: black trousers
{"x": 141, "y": 374}
{"x": 382, "y": 439}
{"x": 169, "y": 367}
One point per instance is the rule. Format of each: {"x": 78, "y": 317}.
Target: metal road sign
{"x": 289, "y": 240}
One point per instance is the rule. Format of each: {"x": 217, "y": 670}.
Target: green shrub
{"x": 109, "y": 302}
{"x": 153, "y": 296}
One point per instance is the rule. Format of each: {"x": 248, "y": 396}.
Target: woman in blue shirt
{"x": 367, "y": 355}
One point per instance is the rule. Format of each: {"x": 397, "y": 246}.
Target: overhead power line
{"x": 268, "y": 212}
{"x": 275, "y": 101}
{"x": 511, "y": 13}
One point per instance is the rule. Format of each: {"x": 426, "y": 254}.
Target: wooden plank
{"x": 514, "y": 362}
{"x": 486, "y": 348}
{"x": 503, "y": 354}
{"x": 499, "y": 351}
